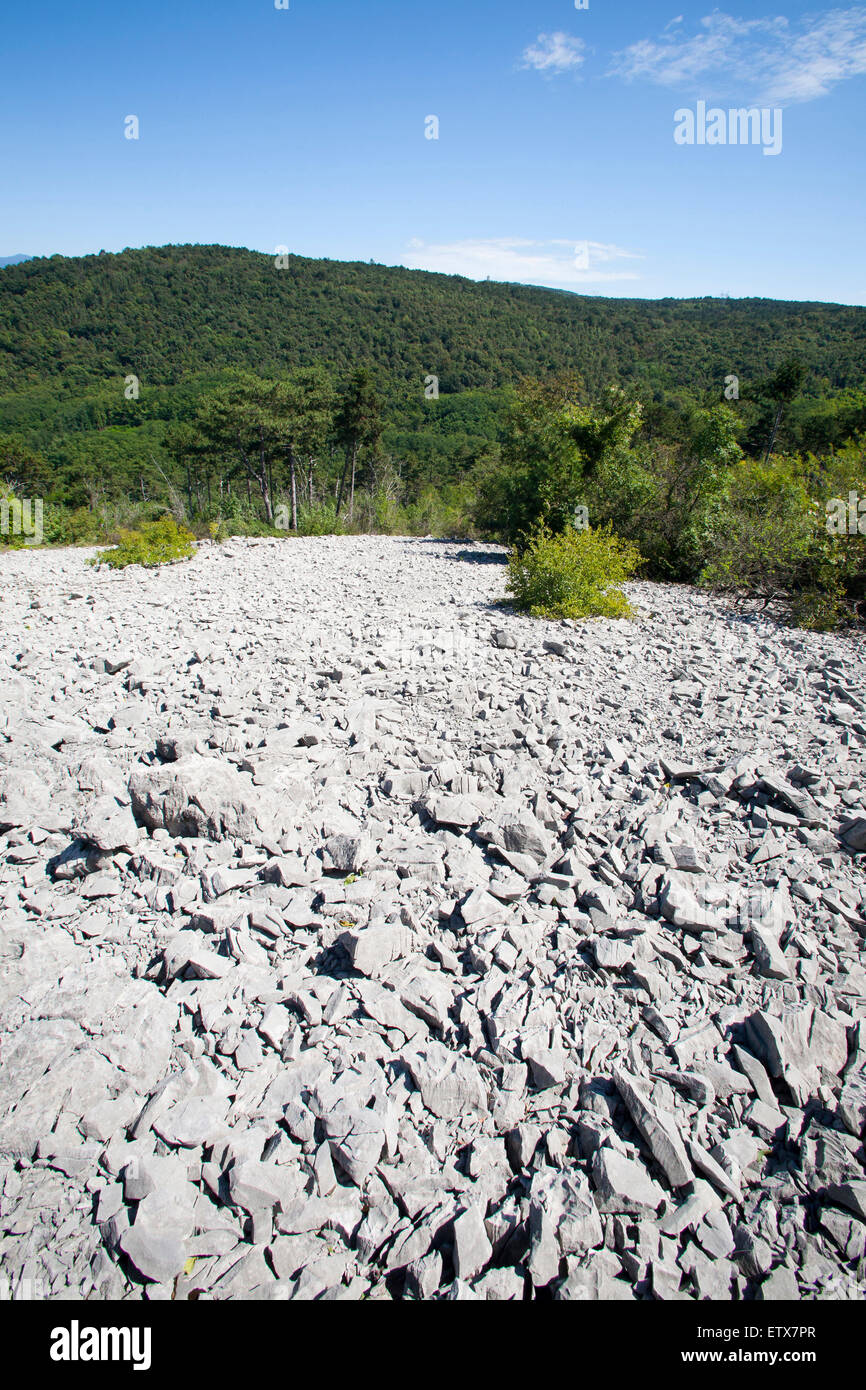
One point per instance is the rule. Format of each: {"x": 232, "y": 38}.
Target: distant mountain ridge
{"x": 14, "y": 260}
{"x": 172, "y": 312}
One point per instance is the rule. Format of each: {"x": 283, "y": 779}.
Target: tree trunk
{"x": 343, "y": 479}
{"x": 310, "y": 480}
{"x": 776, "y": 424}
{"x": 294, "y": 485}
{"x": 352, "y": 493}
{"x": 263, "y": 478}
{"x": 266, "y": 497}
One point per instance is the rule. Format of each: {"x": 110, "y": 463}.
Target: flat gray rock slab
{"x": 157, "y": 1256}
{"x": 450, "y": 1084}
{"x": 658, "y": 1128}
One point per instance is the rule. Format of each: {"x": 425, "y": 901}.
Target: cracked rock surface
{"x": 362, "y": 939}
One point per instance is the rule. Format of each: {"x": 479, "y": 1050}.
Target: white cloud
{"x": 559, "y": 263}
{"x": 554, "y": 53}
{"x": 767, "y": 60}
{"x": 833, "y": 50}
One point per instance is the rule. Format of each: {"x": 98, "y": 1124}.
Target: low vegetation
{"x": 293, "y": 402}
{"x": 696, "y": 507}
{"x": 572, "y": 575}
{"x": 155, "y": 543}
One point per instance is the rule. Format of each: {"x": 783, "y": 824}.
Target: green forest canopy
{"x": 72, "y": 330}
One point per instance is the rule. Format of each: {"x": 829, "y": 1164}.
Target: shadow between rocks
{"x": 481, "y": 557}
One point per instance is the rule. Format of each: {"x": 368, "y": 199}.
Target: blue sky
{"x": 555, "y": 163}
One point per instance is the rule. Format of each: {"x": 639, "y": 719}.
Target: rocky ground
{"x": 362, "y": 939}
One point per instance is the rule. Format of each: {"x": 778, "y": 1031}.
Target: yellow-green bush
{"x": 573, "y": 575}
{"x": 155, "y": 543}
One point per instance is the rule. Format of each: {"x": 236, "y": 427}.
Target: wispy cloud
{"x": 771, "y": 60}
{"x": 553, "y": 53}
{"x": 559, "y": 263}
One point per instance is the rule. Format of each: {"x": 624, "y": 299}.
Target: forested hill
{"x": 171, "y": 312}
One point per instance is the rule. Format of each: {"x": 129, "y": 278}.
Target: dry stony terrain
{"x": 362, "y": 939}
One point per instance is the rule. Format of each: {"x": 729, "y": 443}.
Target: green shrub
{"x": 378, "y": 512}
{"x": 156, "y": 543}
{"x": 320, "y": 520}
{"x": 769, "y": 536}
{"x": 573, "y": 575}
{"x": 554, "y": 446}
{"x": 820, "y": 609}
{"x": 59, "y": 525}
{"x": 12, "y": 537}
{"x": 444, "y": 512}
{"x": 67, "y": 527}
